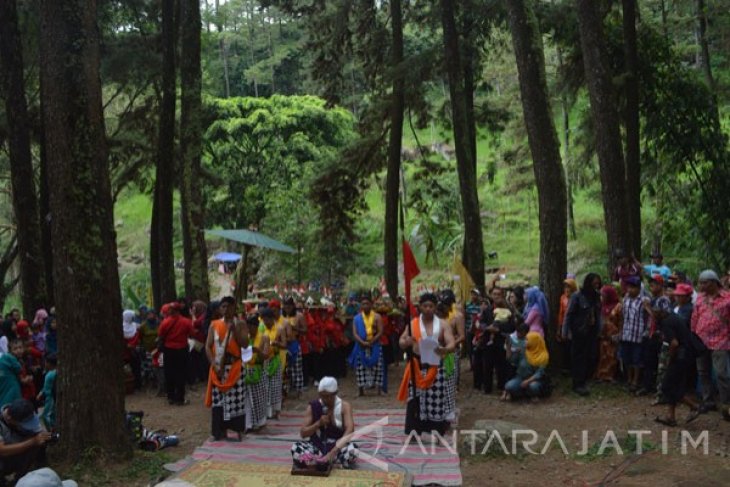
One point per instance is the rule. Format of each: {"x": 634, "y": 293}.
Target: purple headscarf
{"x": 536, "y": 299}
{"x": 40, "y": 317}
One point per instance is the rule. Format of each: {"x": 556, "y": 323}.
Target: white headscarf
{"x": 329, "y": 384}
{"x": 129, "y": 327}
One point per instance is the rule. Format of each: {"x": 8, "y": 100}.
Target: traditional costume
{"x": 323, "y": 441}
{"x": 255, "y": 387}
{"x": 272, "y": 372}
{"x": 294, "y": 357}
{"x": 367, "y": 361}
{"x": 226, "y": 394}
{"x": 431, "y": 385}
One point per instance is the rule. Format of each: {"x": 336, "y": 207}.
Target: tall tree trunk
{"x": 470, "y": 57}
{"x": 84, "y": 245}
{"x": 224, "y": 58}
{"x": 607, "y": 133}
{"x": 473, "y": 242}
{"x": 632, "y": 125}
{"x": 162, "y": 230}
{"x": 155, "y": 252}
{"x": 704, "y": 48}
{"x": 663, "y": 8}
{"x": 25, "y": 203}
{"x": 545, "y": 149}
{"x": 392, "y": 186}
{"x": 191, "y": 131}
{"x": 565, "y": 108}
{"x": 251, "y": 38}
{"x": 45, "y": 217}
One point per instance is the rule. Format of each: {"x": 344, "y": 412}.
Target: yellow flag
{"x": 462, "y": 280}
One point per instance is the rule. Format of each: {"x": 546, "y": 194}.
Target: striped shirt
{"x": 711, "y": 321}
{"x": 636, "y": 319}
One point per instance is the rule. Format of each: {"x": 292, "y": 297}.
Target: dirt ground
{"x": 608, "y": 408}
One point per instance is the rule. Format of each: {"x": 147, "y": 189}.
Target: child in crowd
{"x": 515, "y": 349}
{"x": 48, "y": 394}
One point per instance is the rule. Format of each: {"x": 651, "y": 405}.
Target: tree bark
{"x": 25, "y": 202}
{"x": 565, "y": 108}
{"x": 191, "y": 133}
{"x": 632, "y": 125}
{"x": 45, "y": 215}
{"x": 545, "y": 149}
{"x": 606, "y": 123}
{"x": 473, "y": 242}
{"x": 84, "y": 244}
{"x": 704, "y": 48}
{"x": 10, "y": 253}
{"x": 392, "y": 184}
{"x": 161, "y": 249}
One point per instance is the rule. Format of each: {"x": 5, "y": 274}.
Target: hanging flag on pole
{"x": 410, "y": 271}
{"x": 462, "y": 280}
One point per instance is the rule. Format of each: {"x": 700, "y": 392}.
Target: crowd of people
{"x": 27, "y": 387}
{"x": 646, "y": 327}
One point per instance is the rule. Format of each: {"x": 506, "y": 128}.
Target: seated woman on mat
{"x": 530, "y": 377}
{"x": 328, "y": 423}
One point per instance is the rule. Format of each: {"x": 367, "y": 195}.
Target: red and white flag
{"x": 410, "y": 271}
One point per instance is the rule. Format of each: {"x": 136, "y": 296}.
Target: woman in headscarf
{"x": 40, "y": 318}
{"x": 570, "y": 287}
{"x": 608, "y": 339}
{"x": 536, "y": 312}
{"x": 132, "y": 342}
{"x": 9, "y": 328}
{"x": 583, "y": 321}
{"x": 530, "y": 377}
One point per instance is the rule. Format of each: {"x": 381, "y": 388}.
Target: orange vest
{"x": 233, "y": 349}
{"x": 422, "y": 382}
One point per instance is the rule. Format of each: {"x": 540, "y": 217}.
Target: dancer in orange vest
{"x": 226, "y": 387}
{"x": 430, "y": 378}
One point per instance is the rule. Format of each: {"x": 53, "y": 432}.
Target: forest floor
{"x": 608, "y": 408}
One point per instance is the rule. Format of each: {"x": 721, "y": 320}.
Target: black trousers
{"x": 219, "y": 426}
{"x": 652, "y": 347}
{"x": 488, "y": 362}
{"x": 583, "y": 356}
{"x": 198, "y": 367}
{"x": 176, "y": 367}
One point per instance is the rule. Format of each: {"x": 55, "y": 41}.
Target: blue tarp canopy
{"x": 227, "y": 257}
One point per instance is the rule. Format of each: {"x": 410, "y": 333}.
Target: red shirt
{"x": 175, "y": 331}
{"x": 711, "y": 320}
{"x": 198, "y": 325}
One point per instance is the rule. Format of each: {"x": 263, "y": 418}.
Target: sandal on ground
{"x": 665, "y": 421}
{"x": 694, "y": 414}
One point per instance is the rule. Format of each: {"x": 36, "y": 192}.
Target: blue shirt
{"x": 662, "y": 270}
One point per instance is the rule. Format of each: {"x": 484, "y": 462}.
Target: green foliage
{"x": 266, "y": 147}
{"x": 268, "y": 152}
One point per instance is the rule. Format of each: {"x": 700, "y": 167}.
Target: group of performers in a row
{"x": 276, "y": 349}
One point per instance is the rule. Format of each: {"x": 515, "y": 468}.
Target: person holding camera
{"x": 22, "y": 439}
